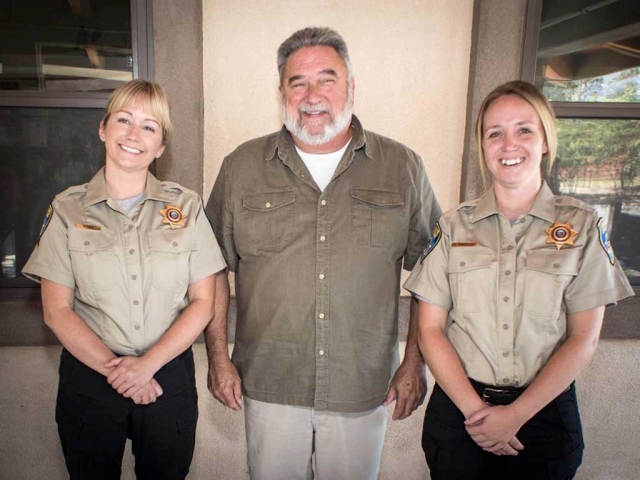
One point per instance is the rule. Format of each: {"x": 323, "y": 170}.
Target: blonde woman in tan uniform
{"x": 512, "y": 291}
{"x": 127, "y": 268}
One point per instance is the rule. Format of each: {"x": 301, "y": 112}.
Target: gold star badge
{"x": 173, "y": 216}
{"x": 560, "y": 234}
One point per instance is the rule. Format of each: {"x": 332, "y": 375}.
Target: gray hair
{"x": 313, "y": 37}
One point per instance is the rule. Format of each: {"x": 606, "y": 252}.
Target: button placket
{"x": 133, "y": 264}
{"x": 506, "y": 292}
{"x": 322, "y": 303}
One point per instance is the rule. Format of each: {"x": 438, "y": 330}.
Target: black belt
{"x": 493, "y": 395}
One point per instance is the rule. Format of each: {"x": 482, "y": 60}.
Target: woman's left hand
{"x": 130, "y": 374}
{"x": 494, "y": 429}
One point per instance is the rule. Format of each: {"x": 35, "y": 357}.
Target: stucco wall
{"x": 410, "y": 60}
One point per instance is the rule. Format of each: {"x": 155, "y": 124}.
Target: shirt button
{"x": 505, "y": 354}
{"x": 505, "y": 326}
{"x": 137, "y": 327}
{"x": 175, "y": 244}
{"x": 132, "y": 251}
{"x": 321, "y": 352}
{"x": 509, "y": 248}
{"x": 133, "y": 277}
{"x": 505, "y": 380}
{"x": 321, "y": 276}
{"x": 267, "y": 205}
{"x": 87, "y": 243}
{"x": 135, "y": 302}
{"x": 322, "y": 238}
{"x": 506, "y": 299}
{"x": 462, "y": 264}
{"x": 137, "y": 351}
{"x": 130, "y": 227}
{"x": 321, "y": 315}
{"x": 517, "y": 239}
{"x": 323, "y": 202}
{"x": 556, "y": 265}
{"x": 508, "y": 272}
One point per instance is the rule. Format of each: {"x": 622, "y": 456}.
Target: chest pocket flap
{"x": 172, "y": 241}
{"x": 466, "y": 259}
{"x": 268, "y": 201}
{"x": 556, "y": 262}
{"x": 379, "y": 198}
{"x": 81, "y": 240}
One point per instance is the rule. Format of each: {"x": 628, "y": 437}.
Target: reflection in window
{"x": 43, "y": 151}
{"x": 65, "y": 45}
{"x": 598, "y": 162}
{"x": 589, "y": 51}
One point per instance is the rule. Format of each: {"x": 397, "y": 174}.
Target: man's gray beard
{"x": 340, "y": 122}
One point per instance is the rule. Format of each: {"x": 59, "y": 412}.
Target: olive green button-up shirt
{"x": 129, "y": 273}
{"x": 318, "y": 272}
{"x": 509, "y": 288}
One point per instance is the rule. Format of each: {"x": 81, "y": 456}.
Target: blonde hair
{"x": 132, "y": 92}
{"x": 534, "y": 97}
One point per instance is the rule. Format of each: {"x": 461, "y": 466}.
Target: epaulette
{"x": 172, "y": 186}
{"x": 74, "y": 190}
{"x": 564, "y": 201}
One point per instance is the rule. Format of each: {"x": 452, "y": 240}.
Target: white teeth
{"x": 130, "y": 150}
{"x": 511, "y": 161}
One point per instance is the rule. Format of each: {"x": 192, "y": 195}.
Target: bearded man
{"x": 317, "y": 221}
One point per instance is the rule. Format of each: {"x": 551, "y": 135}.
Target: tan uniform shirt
{"x": 508, "y": 291}
{"x": 318, "y": 273}
{"x": 129, "y": 273}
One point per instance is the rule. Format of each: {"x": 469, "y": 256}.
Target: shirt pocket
{"x": 378, "y": 219}
{"x": 93, "y": 258}
{"x": 265, "y": 221}
{"x": 472, "y": 278}
{"x": 169, "y": 252}
{"x": 547, "y": 274}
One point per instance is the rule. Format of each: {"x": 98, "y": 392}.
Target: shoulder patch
{"x": 436, "y": 235}
{"x": 45, "y": 222}
{"x": 604, "y": 241}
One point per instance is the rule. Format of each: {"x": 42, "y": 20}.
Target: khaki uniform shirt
{"x": 508, "y": 290}
{"x": 318, "y": 273}
{"x": 129, "y": 273}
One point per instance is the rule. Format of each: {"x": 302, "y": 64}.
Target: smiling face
{"x": 513, "y": 142}
{"x": 317, "y": 99}
{"x": 133, "y": 137}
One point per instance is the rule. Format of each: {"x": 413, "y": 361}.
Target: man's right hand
{"x": 224, "y": 383}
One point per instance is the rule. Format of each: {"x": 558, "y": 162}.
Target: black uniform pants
{"x": 552, "y": 440}
{"x": 94, "y": 422}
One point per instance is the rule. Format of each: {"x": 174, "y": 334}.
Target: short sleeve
{"x": 600, "y": 280}
{"x": 220, "y": 215}
{"x": 207, "y": 259}
{"x": 50, "y": 258}
{"x": 426, "y": 211}
{"x": 429, "y": 278}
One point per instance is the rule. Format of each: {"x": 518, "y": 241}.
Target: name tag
{"x": 464, "y": 244}
{"x": 87, "y": 227}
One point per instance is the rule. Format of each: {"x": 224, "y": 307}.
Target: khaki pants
{"x": 281, "y": 440}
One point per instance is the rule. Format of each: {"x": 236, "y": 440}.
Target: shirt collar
{"x": 543, "y": 206}
{"x": 283, "y": 143}
{"x": 97, "y": 190}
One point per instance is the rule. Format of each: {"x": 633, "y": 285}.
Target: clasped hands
{"x": 133, "y": 378}
{"x": 494, "y": 429}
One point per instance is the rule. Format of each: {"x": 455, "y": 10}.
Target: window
{"x": 585, "y": 56}
{"x": 59, "y": 62}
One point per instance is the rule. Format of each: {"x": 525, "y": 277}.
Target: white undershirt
{"x": 321, "y": 166}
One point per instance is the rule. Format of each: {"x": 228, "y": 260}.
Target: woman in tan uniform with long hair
{"x": 127, "y": 267}
{"x": 512, "y": 291}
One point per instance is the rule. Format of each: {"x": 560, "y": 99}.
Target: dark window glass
{"x": 598, "y": 162}
{"x": 42, "y": 152}
{"x": 65, "y": 45}
{"x": 589, "y": 51}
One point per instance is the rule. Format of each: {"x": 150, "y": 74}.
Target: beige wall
{"x": 410, "y": 60}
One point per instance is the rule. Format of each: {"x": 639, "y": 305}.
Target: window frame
{"x": 142, "y": 49}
